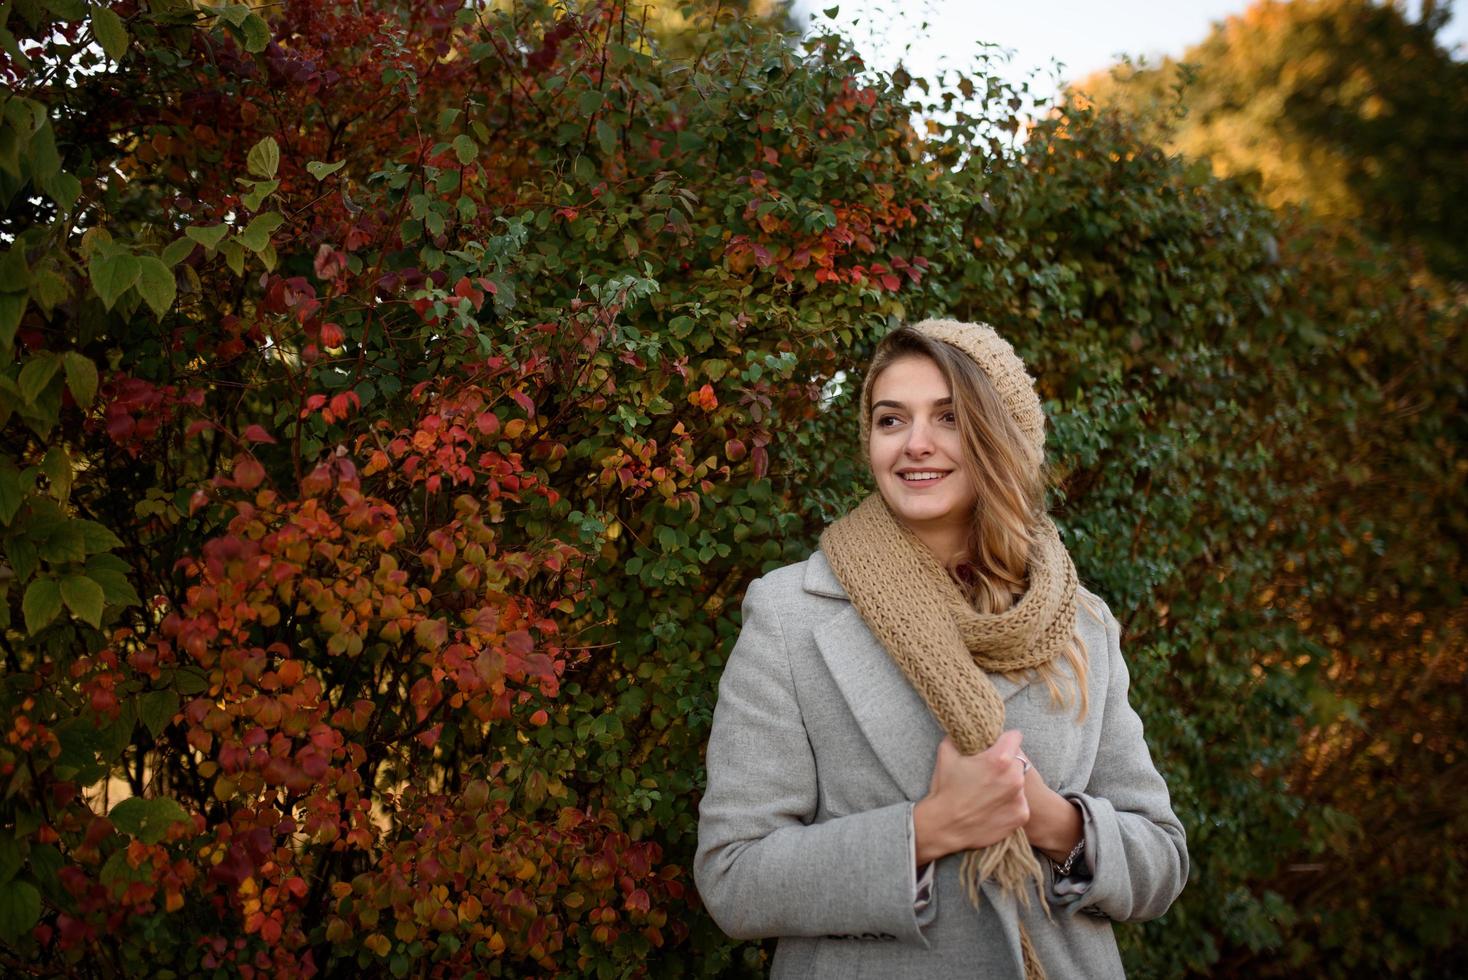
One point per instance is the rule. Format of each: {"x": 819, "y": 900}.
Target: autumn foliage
{"x": 400, "y": 395}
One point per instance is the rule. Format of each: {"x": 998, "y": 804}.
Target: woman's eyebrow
{"x": 941, "y": 403}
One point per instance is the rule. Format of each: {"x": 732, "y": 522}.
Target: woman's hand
{"x": 973, "y": 800}
{"x": 1055, "y": 823}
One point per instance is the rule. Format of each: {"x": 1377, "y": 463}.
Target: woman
{"x": 923, "y": 762}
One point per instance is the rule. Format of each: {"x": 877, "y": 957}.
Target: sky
{"x": 1086, "y": 35}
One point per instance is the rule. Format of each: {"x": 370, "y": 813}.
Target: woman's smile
{"x": 921, "y": 476}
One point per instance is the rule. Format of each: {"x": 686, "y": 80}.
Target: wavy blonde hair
{"x": 1008, "y": 476}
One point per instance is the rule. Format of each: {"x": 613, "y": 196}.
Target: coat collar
{"x": 820, "y": 580}
{"x": 902, "y": 731}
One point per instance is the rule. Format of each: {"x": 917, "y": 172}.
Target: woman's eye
{"x": 886, "y": 421}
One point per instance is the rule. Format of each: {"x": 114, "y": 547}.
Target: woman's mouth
{"x": 922, "y": 476}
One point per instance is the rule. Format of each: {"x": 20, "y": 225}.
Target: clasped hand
{"x": 977, "y": 800}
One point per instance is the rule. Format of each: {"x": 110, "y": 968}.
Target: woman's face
{"x": 917, "y": 455}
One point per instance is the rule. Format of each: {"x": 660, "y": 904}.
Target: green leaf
{"x": 10, "y": 859}
{"x": 12, "y": 308}
{"x": 108, "y": 30}
{"x": 66, "y": 542}
{"x": 606, "y": 137}
{"x": 256, "y": 235}
{"x": 84, "y": 598}
{"x": 45, "y": 861}
{"x": 147, "y": 819}
{"x": 20, "y": 909}
{"x": 36, "y": 375}
{"x": 235, "y": 13}
{"x": 95, "y": 537}
{"x": 209, "y": 237}
{"x": 113, "y": 273}
{"x": 23, "y": 558}
{"x": 50, "y": 290}
{"x": 11, "y": 46}
{"x": 15, "y": 275}
{"x": 67, "y": 9}
{"x": 42, "y": 603}
{"x": 104, "y": 561}
{"x": 589, "y": 101}
{"x": 156, "y": 284}
{"x": 63, "y": 187}
{"x": 57, "y": 467}
{"x": 465, "y": 149}
{"x": 11, "y": 493}
{"x": 257, "y": 34}
{"x": 177, "y": 251}
{"x": 259, "y": 191}
{"x": 187, "y": 681}
{"x": 116, "y": 589}
{"x": 234, "y": 256}
{"x": 321, "y": 171}
{"x": 114, "y": 737}
{"x": 264, "y": 158}
{"x": 156, "y": 709}
{"x": 584, "y": 170}
{"x": 81, "y": 377}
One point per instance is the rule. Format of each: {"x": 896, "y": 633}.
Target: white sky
{"x": 926, "y": 35}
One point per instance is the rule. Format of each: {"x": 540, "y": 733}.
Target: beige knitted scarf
{"x": 947, "y": 650}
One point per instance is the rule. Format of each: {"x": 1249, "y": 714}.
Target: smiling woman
{"x": 888, "y": 792}
{"x": 917, "y": 454}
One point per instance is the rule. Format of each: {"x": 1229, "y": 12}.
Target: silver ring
{"x": 1024, "y": 764}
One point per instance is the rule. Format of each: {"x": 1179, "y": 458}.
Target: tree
{"x": 1343, "y": 105}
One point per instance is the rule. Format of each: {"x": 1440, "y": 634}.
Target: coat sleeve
{"x": 1136, "y": 848}
{"x": 763, "y": 868}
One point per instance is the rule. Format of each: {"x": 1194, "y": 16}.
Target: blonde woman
{"x": 923, "y": 762}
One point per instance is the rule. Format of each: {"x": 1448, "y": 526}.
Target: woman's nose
{"x": 919, "y": 440}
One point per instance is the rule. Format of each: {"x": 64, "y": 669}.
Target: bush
{"x": 402, "y": 395}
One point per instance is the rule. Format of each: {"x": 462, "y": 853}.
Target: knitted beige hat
{"x": 999, "y": 362}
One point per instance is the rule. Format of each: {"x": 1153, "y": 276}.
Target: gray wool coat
{"x": 819, "y": 749}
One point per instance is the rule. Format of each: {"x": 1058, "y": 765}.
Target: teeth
{"x": 916, "y": 477}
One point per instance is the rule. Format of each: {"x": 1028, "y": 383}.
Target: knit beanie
{"x": 994, "y": 355}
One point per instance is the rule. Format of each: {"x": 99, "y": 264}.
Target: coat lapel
{"x": 891, "y": 714}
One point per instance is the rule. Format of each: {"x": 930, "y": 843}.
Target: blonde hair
{"x": 1007, "y": 473}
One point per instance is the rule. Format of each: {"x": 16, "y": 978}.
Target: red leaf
{"x": 256, "y": 433}
{"x": 248, "y": 472}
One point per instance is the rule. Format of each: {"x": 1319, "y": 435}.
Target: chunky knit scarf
{"x": 947, "y": 649}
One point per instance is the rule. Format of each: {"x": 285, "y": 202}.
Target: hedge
{"x": 400, "y": 397}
